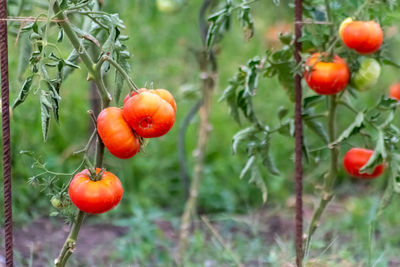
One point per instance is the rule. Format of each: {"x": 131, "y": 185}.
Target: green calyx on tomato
{"x": 367, "y": 75}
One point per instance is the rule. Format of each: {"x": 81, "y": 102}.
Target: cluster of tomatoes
{"x": 145, "y": 114}
{"x": 329, "y": 74}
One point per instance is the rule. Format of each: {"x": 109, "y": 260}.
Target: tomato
{"x": 168, "y": 6}
{"x": 149, "y": 115}
{"x": 355, "y": 159}
{"x": 365, "y": 37}
{"x": 326, "y": 78}
{"x": 367, "y": 75}
{"x": 116, "y": 133}
{"x": 95, "y": 196}
{"x": 395, "y": 91}
{"x": 343, "y": 25}
{"x": 164, "y": 94}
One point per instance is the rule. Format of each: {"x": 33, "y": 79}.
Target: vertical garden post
{"x": 299, "y": 137}
{"x": 5, "y": 107}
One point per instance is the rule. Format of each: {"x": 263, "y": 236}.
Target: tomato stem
{"x": 330, "y": 178}
{"x": 69, "y": 245}
{"x": 96, "y": 76}
{"x": 105, "y": 58}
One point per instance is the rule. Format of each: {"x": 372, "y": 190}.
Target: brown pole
{"x": 299, "y": 138}
{"x": 6, "y": 135}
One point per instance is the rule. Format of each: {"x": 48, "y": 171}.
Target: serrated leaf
{"x": 26, "y": 88}
{"x": 267, "y": 160}
{"x": 242, "y": 135}
{"x": 248, "y": 166}
{"x": 354, "y": 128}
{"x": 377, "y": 157}
{"x": 315, "y": 126}
{"x": 257, "y": 179}
{"x": 45, "y": 107}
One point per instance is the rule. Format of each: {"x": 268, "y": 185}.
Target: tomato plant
{"x": 149, "y": 115}
{"x": 326, "y": 77}
{"x": 365, "y": 37}
{"x": 356, "y": 158}
{"x": 116, "y": 134}
{"x": 95, "y": 192}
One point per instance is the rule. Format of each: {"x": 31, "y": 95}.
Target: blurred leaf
{"x": 377, "y": 157}
{"x": 246, "y": 21}
{"x": 26, "y": 88}
{"x": 354, "y": 128}
{"x": 248, "y": 166}
{"x": 45, "y": 107}
{"x": 257, "y": 179}
{"x": 242, "y": 135}
{"x": 315, "y": 125}
{"x": 264, "y": 150}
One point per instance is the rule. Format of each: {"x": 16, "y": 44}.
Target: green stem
{"x": 330, "y": 178}
{"x": 119, "y": 69}
{"x": 70, "y": 243}
{"x": 83, "y": 54}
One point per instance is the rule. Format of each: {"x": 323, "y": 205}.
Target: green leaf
{"x": 311, "y": 101}
{"x": 246, "y": 21}
{"x": 257, "y": 179}
{"x": 377, "y": 157}
{"x": 242, "y": 135}
{"x": 26, "y": 88}
{"x": 282, "y": 112}
{"x": 45, "y": 107}
{"x": 248, "y": 166}
{"x": 230, "y": 96}
{"x": 315, "y": 125}
{"x": 354, "y": 128}
{"x": 264, "y": 150}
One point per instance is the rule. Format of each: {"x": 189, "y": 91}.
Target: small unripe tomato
{"x": 164, "y": 94}
{"x": 116, "y": 133}
{"x": 149, "y": 115}
{"x": 356, "y": 158}
{"x": 56, "y": 202}
{"x": 326, "y": 78}
{"x": 395, "y": 91}
{"x": 365, "y": 37}
{"x": 367, "y": 75}
{"x": 95, "y": 196}
{"x": 168, "y": 6}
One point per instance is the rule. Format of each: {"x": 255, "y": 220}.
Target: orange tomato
{"x": 149, "y": 115}
{"x": 326, "y": 78}
{"x": 116, "y": 133}
{"x": 164, "y": 94}
{"x": 365, "y": 37}
{"x": 95, "y": 196}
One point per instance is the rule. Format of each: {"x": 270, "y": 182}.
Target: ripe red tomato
{"x": 326, "y": 78}
{"x": 395, "y": 91}
{"x": 149, "y": 115}
{"x": 164, "y": 94}
{"x": 356, "y": 158}
{"x": 95, "y": 196}
{"x": 116, "y": 133}
{"x": 365, "y": 37}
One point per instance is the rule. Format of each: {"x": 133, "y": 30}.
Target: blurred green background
{"x": 160, "y": 43}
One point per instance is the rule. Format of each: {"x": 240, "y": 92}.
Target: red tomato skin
{"x": 134, "y": 93}
{"x": 355, "y": 158}
{"x": 95, "y": 197}
{"x": 116, "y": 133}
{"x": 164, "y": 94}
{"x": 394, "y": 91}
{"x": 365, "y": 37}
{"x": 149, "y": 115}
{"x": 326, "y": 78}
